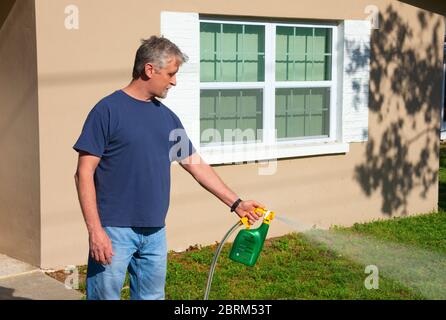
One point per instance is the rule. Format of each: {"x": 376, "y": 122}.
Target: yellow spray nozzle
{"x": 267, "y": 215}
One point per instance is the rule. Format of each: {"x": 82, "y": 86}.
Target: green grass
{"x": 442, "y": 179}
{"x": 292, "y": 267}
{"x": 424, "y": 231}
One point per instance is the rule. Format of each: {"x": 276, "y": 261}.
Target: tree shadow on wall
{"x": 405, "y": 86}
{"x": 5, "y": 8}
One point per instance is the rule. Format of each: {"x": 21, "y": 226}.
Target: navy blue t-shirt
{"x": 136, "y": 141}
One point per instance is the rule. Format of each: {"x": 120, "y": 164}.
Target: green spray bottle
{"x": 249, "y": 243}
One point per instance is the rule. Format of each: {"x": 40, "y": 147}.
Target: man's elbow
{"x": 82, "y": 174}
{"x": 76, "y": 178}
{"x": 201, "y": 171}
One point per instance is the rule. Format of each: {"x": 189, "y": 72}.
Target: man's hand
{"x": 101, "y": 249}
{"x": 246, "y": 209}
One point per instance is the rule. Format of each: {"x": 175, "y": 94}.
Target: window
{"x": 303, "y": 56}
{"x": 259, "y": 90}
{"x": 232, "y": 63}
{"x": 266, "y": 83}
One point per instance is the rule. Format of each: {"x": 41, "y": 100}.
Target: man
{"x": 123, "y": 177}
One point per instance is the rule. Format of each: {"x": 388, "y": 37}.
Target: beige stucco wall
{"x": 19, "y": 133}
{"x": 390, "y": 175}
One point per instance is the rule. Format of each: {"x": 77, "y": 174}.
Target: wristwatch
{"x": 235, "y": 204}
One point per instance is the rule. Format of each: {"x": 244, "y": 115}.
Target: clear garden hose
{"x": 216, "y": 255}
{"x": 247, "y": 245}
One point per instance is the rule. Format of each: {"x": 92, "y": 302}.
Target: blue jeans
{"x": 141, "y": 251}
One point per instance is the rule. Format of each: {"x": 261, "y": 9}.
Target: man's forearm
{"x": 208, "y": 179}
{"x": 87, "y": 198}
{"x": 206, "y": 176}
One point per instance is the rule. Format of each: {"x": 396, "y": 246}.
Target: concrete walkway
{"x": 21, "y": 281}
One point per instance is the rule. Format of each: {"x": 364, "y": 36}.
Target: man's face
{"x": 163, "y": 79}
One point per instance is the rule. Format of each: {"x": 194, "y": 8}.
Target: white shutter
{"x": 183, "y": 29}
{"x": 356, "y": 78}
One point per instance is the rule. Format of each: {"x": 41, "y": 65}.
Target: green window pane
{"x": 322, "y": 54}
{"x": 303, "y": 54}
{"x": 232, "y": 52}
{"x": 282, "y": 48}
{"x": 209, "y": 39}
{"x": 302, "y": 112}
{"x": 321, "y": 68}
{"x": 231, "y": 115}
{"x": 322, "y": 41}
{"x": 319, "y": 112}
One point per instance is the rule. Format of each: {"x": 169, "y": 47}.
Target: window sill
{"x": 260, "y": 152}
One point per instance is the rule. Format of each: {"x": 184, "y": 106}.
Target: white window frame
{"x": 270, "y": 147}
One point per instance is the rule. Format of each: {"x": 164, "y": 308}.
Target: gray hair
{"x": 156, "y": 50}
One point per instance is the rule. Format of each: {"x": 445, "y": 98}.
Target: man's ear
{"x": 149, "y": 70}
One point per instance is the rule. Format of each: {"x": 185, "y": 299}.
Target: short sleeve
{"x": 181, "y": 146}
{"x": 94, "y": 136}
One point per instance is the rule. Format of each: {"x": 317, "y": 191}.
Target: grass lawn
{"x": 442, "y": 183}
{"x": 292, "y": 267}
